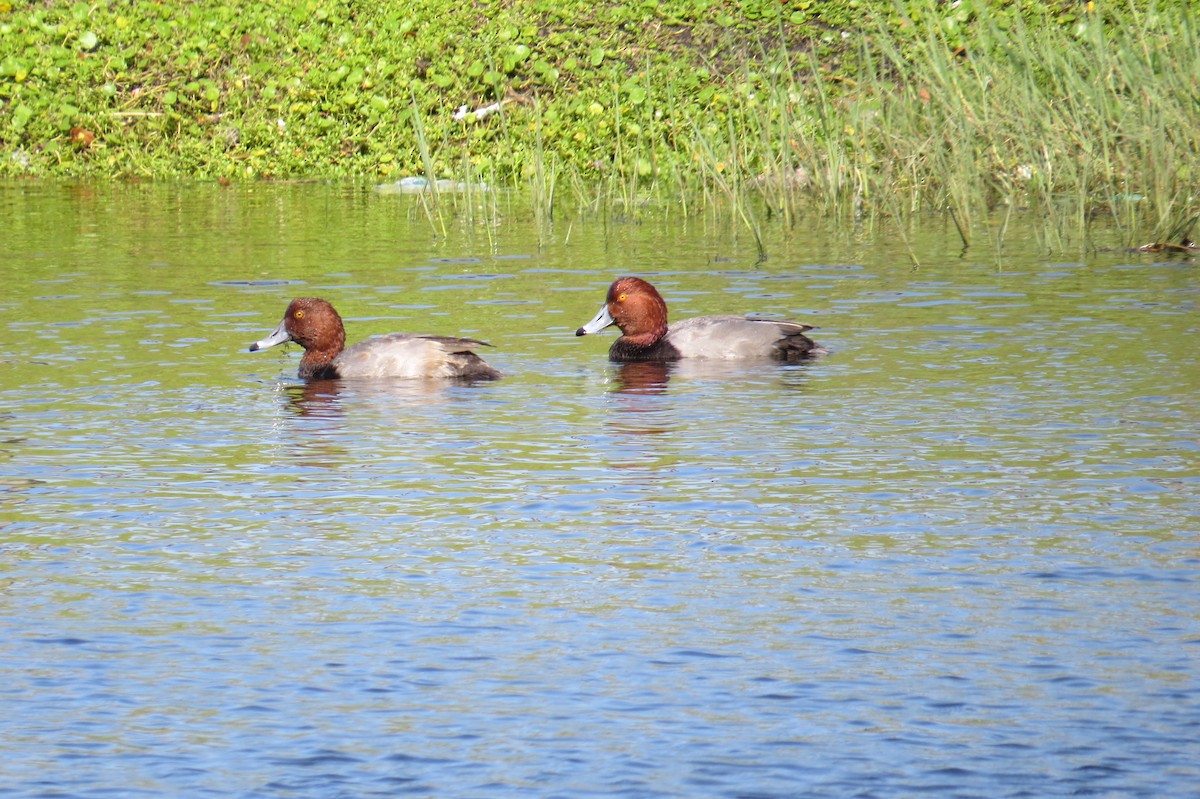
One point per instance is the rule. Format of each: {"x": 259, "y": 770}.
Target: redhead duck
{"x": 640, "y": 312}
{"x": 315, "y": 325}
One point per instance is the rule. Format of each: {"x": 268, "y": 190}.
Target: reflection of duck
{"x": 642, "y": 377}
{"x": 317, "y": 398}
{"x": 330, "y": 399}
{"x": 640, "y": 312}
{"x": 642, "y": 406}
{"x": 315, "y": 325}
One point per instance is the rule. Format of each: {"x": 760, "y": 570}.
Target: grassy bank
{"x": 763, "y": 108}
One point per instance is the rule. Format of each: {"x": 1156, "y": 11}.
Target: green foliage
{"x": 856, "y": 105}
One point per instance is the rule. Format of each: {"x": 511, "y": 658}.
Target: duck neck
{"x": 321, "y": 346}
{"x": 626, "y": 349}
{"x": 646, "y": 338}
{"x": 318, "y": 365}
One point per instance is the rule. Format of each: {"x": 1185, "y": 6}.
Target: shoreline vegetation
{"x": 763, "y": 110}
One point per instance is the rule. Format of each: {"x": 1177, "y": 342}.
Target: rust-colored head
{"x": 636, "y": 308}
{"x": 313, "y": 324}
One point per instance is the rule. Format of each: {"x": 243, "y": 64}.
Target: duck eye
{"x": 621, "y": 298}
{"x": 298, "y": 314}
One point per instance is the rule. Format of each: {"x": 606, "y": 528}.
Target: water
{"x": 957, "y": 557}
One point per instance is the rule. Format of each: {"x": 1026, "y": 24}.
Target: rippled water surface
{"x": 955, "y": 557}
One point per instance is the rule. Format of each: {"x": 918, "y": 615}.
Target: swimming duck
{"x": 315, "y": 325}
{"x": 640, "y": 312}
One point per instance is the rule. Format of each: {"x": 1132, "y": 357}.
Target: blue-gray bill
{"x": 279, "y": 336}
{"x": 598, "y": 323}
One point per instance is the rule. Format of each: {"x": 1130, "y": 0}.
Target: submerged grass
{"x": 756, "y": 111}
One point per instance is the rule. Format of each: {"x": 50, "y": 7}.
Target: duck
{"x": 636, "y": 307}
{"x": 313, "y": 323}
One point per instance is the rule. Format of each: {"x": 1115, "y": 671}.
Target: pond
{"x": 957, "y": 556}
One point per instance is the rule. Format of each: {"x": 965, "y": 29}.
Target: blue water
{"x": 957, "y": 557}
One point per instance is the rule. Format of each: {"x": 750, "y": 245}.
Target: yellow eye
{"x": 299, "y": 314}
{"x": 621, "y": 298}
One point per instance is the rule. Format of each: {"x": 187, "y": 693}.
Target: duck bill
{"x": 598, "y": 323}
{"x": 278, "y": 337}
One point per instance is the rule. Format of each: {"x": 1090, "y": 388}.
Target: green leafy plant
{"x": 758, "y": 109}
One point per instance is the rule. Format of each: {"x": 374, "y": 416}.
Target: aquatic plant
{"x": 754, "y": 110}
